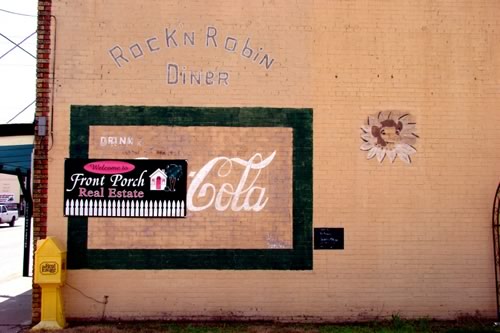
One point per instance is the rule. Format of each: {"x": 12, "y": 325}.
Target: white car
{"x": 7, "y": 215}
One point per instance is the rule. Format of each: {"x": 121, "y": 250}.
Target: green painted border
{"x": 298, "y": 258}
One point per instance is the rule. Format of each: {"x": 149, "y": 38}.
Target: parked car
{"x": 8, "y": 214}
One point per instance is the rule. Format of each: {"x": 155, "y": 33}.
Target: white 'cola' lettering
{"x": 254, "y": 197}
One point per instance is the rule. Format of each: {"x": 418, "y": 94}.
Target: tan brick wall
{"x": 417, "y": 236}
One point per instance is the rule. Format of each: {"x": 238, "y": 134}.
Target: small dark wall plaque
{"x": 328, "y": 238}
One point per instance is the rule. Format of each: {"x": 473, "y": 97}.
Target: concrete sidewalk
{"x": 15, "y": 304}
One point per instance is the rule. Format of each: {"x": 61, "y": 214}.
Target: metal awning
{"x": 16, "y": 152}
{"x": 16, "y": 159}
{"x": 16, "y": 148}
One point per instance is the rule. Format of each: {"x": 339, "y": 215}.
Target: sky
{"x": 17, "y": 68}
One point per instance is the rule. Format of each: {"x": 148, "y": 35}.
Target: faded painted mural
{"x": 248, "y": 186}
{"x": 389, "y": 134}
{"x": 240, "y": 194}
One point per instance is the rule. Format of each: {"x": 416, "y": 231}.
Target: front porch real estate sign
{"x": 125, "y": 188}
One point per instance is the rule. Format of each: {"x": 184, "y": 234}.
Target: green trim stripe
{"x": 298, "y": 258}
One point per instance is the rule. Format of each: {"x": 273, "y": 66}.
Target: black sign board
{"x": 328, "y": 238}
{"x": 125, "y": 188}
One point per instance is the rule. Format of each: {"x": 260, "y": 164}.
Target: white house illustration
{"x": 158, "y": 180}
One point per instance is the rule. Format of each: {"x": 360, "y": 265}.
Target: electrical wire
{"x": 18, "y": 45}
{"x": 86, "y": 296}
{"x": 21, "y": 111}
{"x": 105, "y": 302}
{"x": 15, "y": 13}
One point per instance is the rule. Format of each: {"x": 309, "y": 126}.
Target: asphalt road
{"x": 11, "y": 250}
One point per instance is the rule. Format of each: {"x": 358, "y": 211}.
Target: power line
{"x": 14, "y": 13}
{"x": 17, "y": 45}
{"x": 22, "y": 111}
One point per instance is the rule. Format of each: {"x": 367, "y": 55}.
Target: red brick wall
{"x": 43, "y": 107}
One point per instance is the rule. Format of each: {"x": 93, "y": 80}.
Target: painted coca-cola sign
{"x": 125, "y": 188}
{"x": 248, "y": 195}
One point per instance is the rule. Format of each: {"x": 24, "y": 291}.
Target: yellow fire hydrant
{"x": 50, "y": 274}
